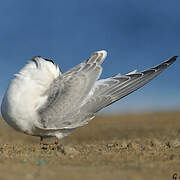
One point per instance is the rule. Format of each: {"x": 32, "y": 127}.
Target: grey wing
{"x": 68, "y": 92}
{"x": 77, "y": 68}
{"x": 80, "y": 66}
{"x": 107, "y": 91}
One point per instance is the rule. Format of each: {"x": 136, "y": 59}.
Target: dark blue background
{"x": 137, "y": 35}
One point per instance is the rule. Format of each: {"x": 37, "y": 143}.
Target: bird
{"x": 42, "y": 101}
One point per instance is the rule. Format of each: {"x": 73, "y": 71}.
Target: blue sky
{"x": 137, "y": 35}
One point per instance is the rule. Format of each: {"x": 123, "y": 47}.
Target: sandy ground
{"x": 144, "y": 146}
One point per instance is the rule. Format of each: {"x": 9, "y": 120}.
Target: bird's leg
{"x": 41, "y": 141}
{"x": 56, "y": 141}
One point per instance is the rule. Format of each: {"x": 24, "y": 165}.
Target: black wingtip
{"x": 165, "y": 64}
{"x": 175, "y": 57}
{"x": 171, "y": 60}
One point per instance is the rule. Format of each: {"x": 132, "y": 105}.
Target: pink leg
{"x": 41, "y": 141}
{"x": 56, "y": 141}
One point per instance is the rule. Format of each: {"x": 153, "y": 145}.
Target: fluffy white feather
{"x": 25, "y": 93}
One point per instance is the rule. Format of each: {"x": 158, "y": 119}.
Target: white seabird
{"x": 42, "y": 101}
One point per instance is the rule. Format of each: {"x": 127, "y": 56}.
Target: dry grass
{"x": 144, "y": 146}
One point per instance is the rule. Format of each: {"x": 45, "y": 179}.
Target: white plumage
{"x": 42, "y": 101}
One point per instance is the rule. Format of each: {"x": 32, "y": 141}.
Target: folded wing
{"x": 68, "y": 92}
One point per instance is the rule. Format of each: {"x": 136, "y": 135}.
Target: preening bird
{"x": 42, "y": 101}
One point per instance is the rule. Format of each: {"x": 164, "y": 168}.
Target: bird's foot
{"x": 46, "y": 144}
{"x": 42, "y": 142}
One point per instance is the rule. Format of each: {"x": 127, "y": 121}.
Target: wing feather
{"x": 81, "y": 96}
{"x": 107, "y": 91}
{"x": 67, "y": 93}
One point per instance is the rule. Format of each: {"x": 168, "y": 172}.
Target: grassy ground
{"x": 144, "y": 146}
